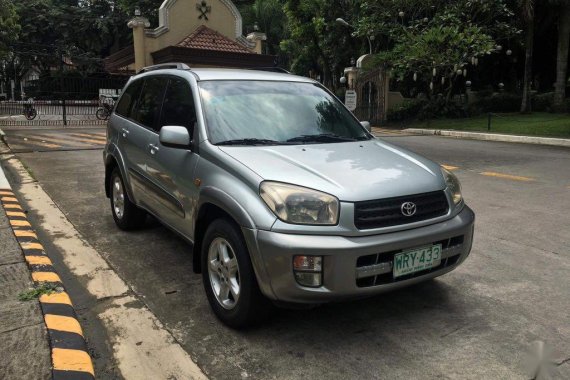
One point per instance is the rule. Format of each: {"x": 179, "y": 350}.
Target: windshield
{"x": 266, "y": 112}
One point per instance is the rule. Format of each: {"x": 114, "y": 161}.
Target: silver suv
{"x": 286, "y": 197}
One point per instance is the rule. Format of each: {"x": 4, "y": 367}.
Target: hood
{"x": 351, "y": 171}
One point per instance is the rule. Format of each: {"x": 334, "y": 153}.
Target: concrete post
{"x": 138, "y": 24}
{"x": 258, "y": 38}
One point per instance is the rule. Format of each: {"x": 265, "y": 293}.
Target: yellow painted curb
{"x": 61, "y": 323}
{"x": 38, "y": 260}
{"x": 62, "y": 298}
{"x": 72, "y": 360}
{"x": 45, "y": 277}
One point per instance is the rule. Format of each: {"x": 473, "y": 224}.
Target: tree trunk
{"x": 562, "y": 56}
{"x": 529, "y": 41}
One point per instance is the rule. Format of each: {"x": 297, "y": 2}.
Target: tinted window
{"x": 147, "y": 109}
{"x": 178, "y": 107}
{"x": 129, "y": 98}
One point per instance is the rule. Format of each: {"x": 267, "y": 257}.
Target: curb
{"x": 492, "y": 137}
{"x": 70, "y": 358}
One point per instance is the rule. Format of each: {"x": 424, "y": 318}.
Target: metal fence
{"x": 369, "y": 112}
{"x": 62, "y": 102}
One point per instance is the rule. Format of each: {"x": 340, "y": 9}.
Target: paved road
{"x": 476, "y": 322}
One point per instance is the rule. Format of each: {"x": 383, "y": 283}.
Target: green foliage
{"x": 501, "y": 102}
{"x": 9, "y": 25}
{"x": 435, "y": 42}
{"x": 543, "y": 102}
{"x": 408, "y": 110}
{"x": 37, "y": 291}
{"x": 316, "y": 43}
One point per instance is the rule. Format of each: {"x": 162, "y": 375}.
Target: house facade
{"x": 200, "y": 33}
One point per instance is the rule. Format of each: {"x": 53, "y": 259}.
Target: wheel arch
{"x": 112, "y": 162}
{"x": 215, "y": 204}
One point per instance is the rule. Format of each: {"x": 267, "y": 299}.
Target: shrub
{"x": 438, "y": 107}
{"x": 543, "y": 102}
{"x": 502, "y": 102}
{"x": 409, "y": 109}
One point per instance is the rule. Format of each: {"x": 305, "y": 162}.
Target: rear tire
{"x": 102, "y": 113}
{"x": 126, "y": 214}
{"x": 228, "y": 277}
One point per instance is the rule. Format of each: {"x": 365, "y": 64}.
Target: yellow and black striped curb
{"x": 69, "y": 354}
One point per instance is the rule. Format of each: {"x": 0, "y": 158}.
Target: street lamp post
{"x": 342, "y": 22}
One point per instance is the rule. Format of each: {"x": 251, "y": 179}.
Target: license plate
{"x": 417, "y": 259}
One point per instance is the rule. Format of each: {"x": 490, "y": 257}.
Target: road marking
{"x": 45, "y": 277}
{"x": 26, "y": 141}
{"x": 38, "y": 260}
{"x": 61, "y": 298}
{"x": 8, "y": 193}
{"x": 90, "y": 136}
{"x": 8, "y": 199}
{"x": 72, "y": 360}
{"x": 450, "y": 167}
{"x": 507, "y": 176}
{"x": 62, "y": 323}
{"x": 67, "y": 140}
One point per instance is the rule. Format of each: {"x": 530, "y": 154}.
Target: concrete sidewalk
{"x": 23, "y": 335}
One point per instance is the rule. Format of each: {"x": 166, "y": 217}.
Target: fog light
{"x": 308, "y": 279}
{"x": 308, "y": 270}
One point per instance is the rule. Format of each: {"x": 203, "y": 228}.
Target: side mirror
{"x": 174, "y": 137}
{"x": 366, "y": 125}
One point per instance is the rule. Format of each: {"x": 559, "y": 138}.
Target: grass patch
{"x": 535, "y": 124}
{"x": 37, "y": 291}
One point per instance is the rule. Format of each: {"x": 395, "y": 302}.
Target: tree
{"x": 434, "y": 43}
{"x": 9, "y": 26}
{"x": 562, "y": 54}
{"x": 527, "y": 12}
{"x": 316, "y": 43}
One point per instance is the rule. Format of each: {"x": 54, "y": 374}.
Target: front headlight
{"x": 299, "y": 205}
{"x": 453, "y": 185}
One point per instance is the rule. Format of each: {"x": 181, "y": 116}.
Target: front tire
{"x": 126, "y": 214}
{"x": 228, "y": 277}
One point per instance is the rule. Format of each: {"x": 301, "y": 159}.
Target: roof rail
{"x": 274, "y": 69}
{"x": 164, "y": 66}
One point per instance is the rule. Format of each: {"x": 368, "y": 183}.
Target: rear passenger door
{"x": 143, "y": 118}
{"x": 172, "y": 169}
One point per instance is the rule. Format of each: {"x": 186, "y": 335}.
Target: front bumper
{"x": 344, "y": 275}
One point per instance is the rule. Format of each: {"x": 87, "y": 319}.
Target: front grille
{"x": 376, "y": 269}
{"x": 387, "y": 212}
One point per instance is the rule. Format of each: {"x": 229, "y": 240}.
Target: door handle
{"x": 153, "y": 148}
{"x": 125, "y": 132}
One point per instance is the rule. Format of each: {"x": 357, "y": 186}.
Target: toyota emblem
{"x": 408, "y": 208}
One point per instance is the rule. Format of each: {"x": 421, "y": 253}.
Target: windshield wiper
{"x": 250, "y": 141}
{"x": 323, "y": 137}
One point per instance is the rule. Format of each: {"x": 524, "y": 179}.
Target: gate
{"x": 371, "y": 92}
{"x": 62, "y": 101}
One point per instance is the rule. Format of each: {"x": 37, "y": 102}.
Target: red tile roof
{"x": 208, "y": 39}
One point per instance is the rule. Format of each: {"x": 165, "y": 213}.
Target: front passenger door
{"x": 172, "y": 169}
